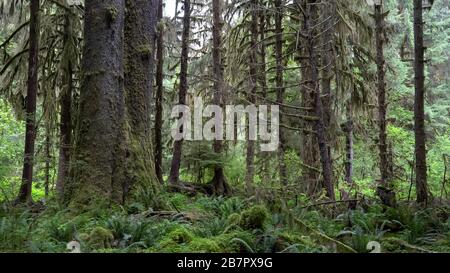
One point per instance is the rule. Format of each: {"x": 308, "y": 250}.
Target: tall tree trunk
{"x": 280, "y": 86}
{"x": 419, "y": 115}
{"x": 319, "y": 124}
{"x": 379, "y": 33}
{"x": 98, "y": 174}
{"x": 159, "y": 95}
{"x": 141, "y": 17}
{"x": 32, "y": 88}
{"x": 327, "y": 64}
{"x": 309, "y": 153}
{"x": 65, "y": 127}
{"x": 177, "y": 145}
{"x": 253, "y": 70}
{"x": 263, "y": 26}
{"x": 219, "y": 183}
{"x": 329, "y": 9}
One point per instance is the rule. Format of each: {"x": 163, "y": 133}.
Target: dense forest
{"x": 232, "y": 126}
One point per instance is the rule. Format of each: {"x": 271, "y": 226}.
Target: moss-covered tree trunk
{"x": 65, "y": 127}
{"x": 219, "y": 183}
{"x": 97, "y": 172}
{"x": 141, "y": 17}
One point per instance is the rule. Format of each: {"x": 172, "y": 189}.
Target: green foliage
{"x": 254, "y": 217}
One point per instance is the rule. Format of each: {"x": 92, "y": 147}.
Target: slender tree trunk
{"x": 280, "y": 86}
{"x": 65, "y": 127}
{"x": 32, "y": 88}
{"x": 327, "y": 64}
{"x": 309, "y": 153}
{"x": 98, "y": 174}
{"x": 419, "y": 107}
{"x": 253, "y": 69}
{"x": 379, "y": 32}
{"x": 319, "y": 124}
{"x": 159, "y": 95}
{"x": 48, "y": 158}
{"x": 348, "y": 130}
{"x": 329, "y": 9}
{"x": 177, "y": 145}
{"x": 141, "y": 17}
{"x": 219, "y": 183}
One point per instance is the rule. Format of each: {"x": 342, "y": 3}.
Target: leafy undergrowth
{"x": 205, "y": 224}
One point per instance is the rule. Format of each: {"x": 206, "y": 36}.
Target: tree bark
{"x": 319, "y": 124}
{"x": 253, "y": 70}
{"x": 177, "y": 145}
{"x": 327, "y": 58}
{"x": 382, "y": 145}
{"x": 159, "y": 95}
{"x": 141, "y": 18}
{"x": 32, "y": 89}
{"x": 219, "y": 182}
{"x": 348, "y": 130}
{"x": 419, "y": 107}
{"x": 48, "y": 159}
{"x": 309, "y": 153}
{"x": 65, "y": 127}
{"x": 98, "y": 173}
{"x": 280, "y": 86}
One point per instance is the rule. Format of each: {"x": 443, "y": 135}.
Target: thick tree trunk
{"x": 280, "y": 86}
{"x": 141, "y": 18}
{"x": 419, "y": 108}
{"x": 177, "y": 145}
{"x": 219, "y": 183}
{"x": 253, "y": 70}
{"x": 379, "y": 33}
{"x": 98, "y": 173}
{"x": 32, "y": 89}
{"x": 159, "y": 95}
{"x": 65, "y": 127}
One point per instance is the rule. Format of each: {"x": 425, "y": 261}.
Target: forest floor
{"x": 204, "y": 224}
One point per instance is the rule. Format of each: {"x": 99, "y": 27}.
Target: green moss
{"x": 233, "y": 219}
{"x": 203, "y": 245}
{"x": 100, "y": 238}
{"x": 83, "y": 237}
{"x": 254, "y": 217}
{"x": 144, "y": 50}
{"x": 181, "y": 235}
{"x": 112, "y": 13}
{"x": 227, "y": 243}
